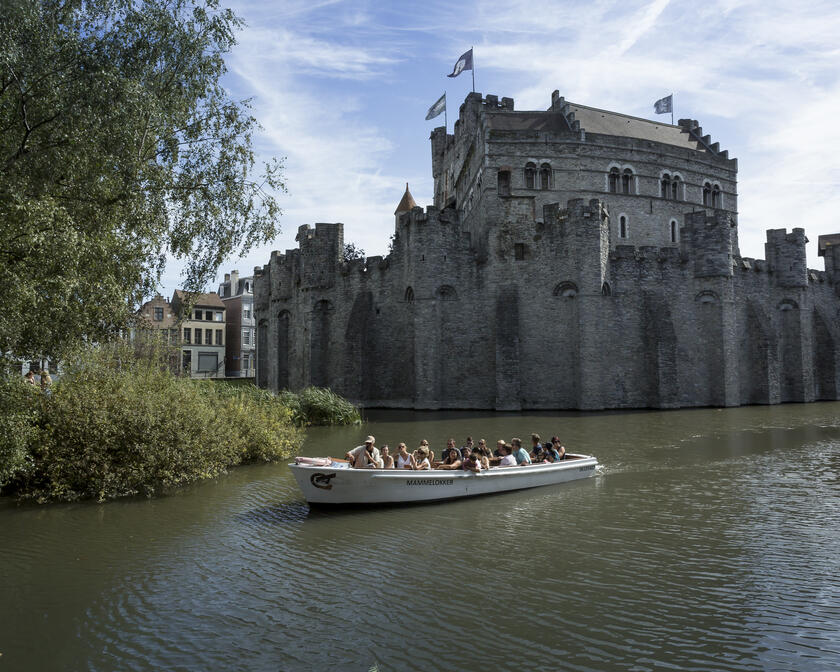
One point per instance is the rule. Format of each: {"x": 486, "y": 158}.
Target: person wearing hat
{"x": 365, "y": 456}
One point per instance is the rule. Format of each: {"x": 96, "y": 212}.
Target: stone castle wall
{"x": 527, "y": 301}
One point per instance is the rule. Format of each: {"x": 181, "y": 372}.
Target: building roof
{"x": 407, "y": 202}
{"x": 593, "y": 120}
{"x": 827, "y": 241}
{"x": 528, "y": 121}
{"x": 211, "y": 299}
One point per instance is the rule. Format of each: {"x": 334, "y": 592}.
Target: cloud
{"x": 341, "y": 89}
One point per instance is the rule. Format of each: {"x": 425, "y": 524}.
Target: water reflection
{"x": 709, "y": 542}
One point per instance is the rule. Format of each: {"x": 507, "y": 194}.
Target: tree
{"x": 118, "y": 146}
{"x": 353, "y": 252}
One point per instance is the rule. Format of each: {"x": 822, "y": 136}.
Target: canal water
{"x": 710, "y": 541}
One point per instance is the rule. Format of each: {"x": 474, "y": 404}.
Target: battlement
{"x": 695, "y": 131}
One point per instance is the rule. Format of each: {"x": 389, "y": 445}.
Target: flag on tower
{"x": 463, "y": 63}
{"x": 664, "y": 105}
{"x": 437, "y": 108}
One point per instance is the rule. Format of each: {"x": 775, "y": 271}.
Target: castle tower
{"x": 406, "y": 204}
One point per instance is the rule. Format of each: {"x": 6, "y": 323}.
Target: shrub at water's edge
{"x": 311, "y": 406}
{"x": 320, "y": 406}
{"x": 117, "y": 424}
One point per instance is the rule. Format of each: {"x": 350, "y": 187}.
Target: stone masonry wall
{"x": 531, "y": 300}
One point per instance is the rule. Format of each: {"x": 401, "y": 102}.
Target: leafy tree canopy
{"x": 118, "y": 145}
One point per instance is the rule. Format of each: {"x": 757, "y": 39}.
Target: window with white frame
{"x": 622, "y": 226}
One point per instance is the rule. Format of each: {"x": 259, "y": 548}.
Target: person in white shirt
{"x": 365, "y": 456}
{"x": 508, "y": 460}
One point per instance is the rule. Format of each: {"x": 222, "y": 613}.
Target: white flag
{"x": 664, "y": 105}
{"x": 437, "y": 108}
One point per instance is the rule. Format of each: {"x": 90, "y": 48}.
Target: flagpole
{"x": 445, "y": 120}
{"x": 672, "y": 109}
{"x": 472, "y": 49}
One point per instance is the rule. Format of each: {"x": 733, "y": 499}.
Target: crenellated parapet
{"x": 786, "y": 257}
{"x": 709, "y": 239}
{"x": 573, "y": 258}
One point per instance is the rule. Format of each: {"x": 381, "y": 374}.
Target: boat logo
{"x": 322, "y": 480}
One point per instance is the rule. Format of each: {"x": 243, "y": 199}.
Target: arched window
{"x": 622, "y": 226}
{"x": 665, "y": 186}
{"x": 716, "y": 203}
{"x": 504, "y": 183}
{"x": 613, "y": 180}
{"x": 409, "y": 295}
{"x": 707, "y": 297}
{"x": 675, "y": 188}
{"x": 674, "y": 231}
{"x": 566, "y": 290}
{"x": 707, "y": 194}
{"x": 447, "y": 293}
{"x": 530, "y": 175}
{"x": 545, "y": 176}
{"x": 626, "y": 177}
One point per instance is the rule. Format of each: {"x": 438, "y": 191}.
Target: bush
{"x": 117, "y": 424}
{"x": 320, "y": 406}
{"x": 19, "y": 411}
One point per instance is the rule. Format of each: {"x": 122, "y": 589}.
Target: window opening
{"x": 530, "y": 172}
{"x": 613, "y": 181}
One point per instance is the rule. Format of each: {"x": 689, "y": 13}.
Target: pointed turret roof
{"x": 406, "y": 203}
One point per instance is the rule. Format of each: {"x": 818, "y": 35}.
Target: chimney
{"x": 234, "y": 283}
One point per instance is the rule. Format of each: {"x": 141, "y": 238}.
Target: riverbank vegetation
{"x": 120, "y": 424}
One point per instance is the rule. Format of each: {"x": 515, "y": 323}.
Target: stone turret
{"x": 406, "y": 204}
{"x": 786, "y": 257}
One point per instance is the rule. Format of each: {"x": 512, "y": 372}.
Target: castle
{"x": 574, "y": 258}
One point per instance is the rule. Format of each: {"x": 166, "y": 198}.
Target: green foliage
{"x": 19, "y": 411}
{"x": 118, "y": 146}
{"x": 320, "y": 406}
{"x": 117, "y": 424}
{"x": 352, "y": 252}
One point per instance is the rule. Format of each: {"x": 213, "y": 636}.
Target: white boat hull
{"x": 329, "y": 485}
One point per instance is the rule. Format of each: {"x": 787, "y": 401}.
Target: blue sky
{"x": 342, "y": 89}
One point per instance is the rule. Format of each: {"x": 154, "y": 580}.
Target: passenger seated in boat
{"x": 421, "y": 458}
{"x": 536, "y": 449}
{"x": 558, "y": 448}
{"x": 471, "y": 461}
{"x": 429, "y": 452}
{"x": 365, "y": 456}
{"x": 450, "y": 445}
{"x": 468, "y": 444}
{"x": 484, "y": 454}
{"x": 387, "y": 460}
{"x": 452, "y": 461}
{"x": 405, "y": 460}
{"x": 519, "y": 453}
{"x": 508, "y": 460}
{"x": 499, "y": 445}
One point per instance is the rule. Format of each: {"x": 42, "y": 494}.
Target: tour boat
{"x": 326, "y": 481}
